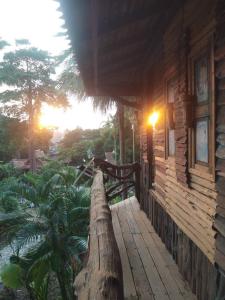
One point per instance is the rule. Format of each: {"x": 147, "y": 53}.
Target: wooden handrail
{"x": 102, "y": 277}
{"x": 123, "y": 174}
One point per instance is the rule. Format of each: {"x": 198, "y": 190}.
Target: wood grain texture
{"x": 101, "y": 279}
{"x": 188, "y": 193}
{"x": 149, "y": 271}
{"x": 193, "y": 264}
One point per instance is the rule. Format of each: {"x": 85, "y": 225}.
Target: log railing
{"x": 102, "y": 277}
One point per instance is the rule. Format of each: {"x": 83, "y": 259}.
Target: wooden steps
{"x": 149, "y": 271}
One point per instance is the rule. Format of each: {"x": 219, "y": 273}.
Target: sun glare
{"x": 77, "y": 115}
{"x": 52, "y": 117}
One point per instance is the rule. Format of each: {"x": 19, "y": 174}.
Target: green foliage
{"x": 8, "y": 170}
{"x": 79, "y": 145}
{"x": 12, "y": 276}
{"x": 42, "y": 139}
{"x": 13, "y": 137}
{"x": 54, "y": 216}
{"x": 29, "y": 72}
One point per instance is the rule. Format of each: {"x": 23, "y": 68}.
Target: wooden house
{"x": 170, "y": 55}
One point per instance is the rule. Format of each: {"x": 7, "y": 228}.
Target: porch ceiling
{"x": 112, "y": 38}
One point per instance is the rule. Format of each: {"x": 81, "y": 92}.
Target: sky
{"x": 39, "y": 22}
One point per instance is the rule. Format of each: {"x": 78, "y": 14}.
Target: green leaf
{"x": 12, "y": 276}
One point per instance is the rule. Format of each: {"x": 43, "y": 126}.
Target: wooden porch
{"x": 149, "y": 271}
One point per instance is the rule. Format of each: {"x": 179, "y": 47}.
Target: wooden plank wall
{"x": 188, "y": 197}
{"x": 203, "y": 278}
{"x": 220, "y": 129}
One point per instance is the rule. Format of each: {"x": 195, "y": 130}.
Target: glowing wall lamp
{"x": 153, "y": 118}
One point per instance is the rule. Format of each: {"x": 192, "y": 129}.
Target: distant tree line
{"x": 81, "y": 145}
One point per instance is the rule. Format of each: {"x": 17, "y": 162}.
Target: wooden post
{"x": 122, "y": 142}
{"x": 150, "y": 154}
{"x": 102, "y": 278}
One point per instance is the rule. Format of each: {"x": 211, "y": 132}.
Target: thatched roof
{"x": 112, "y": 40}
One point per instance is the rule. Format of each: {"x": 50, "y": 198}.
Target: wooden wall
{"x": 220, "y": 130}
{"x": 204, "y": 279}
{"x": 188, "y": 196}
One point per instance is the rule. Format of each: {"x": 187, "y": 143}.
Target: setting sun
{"x": 77, "y": 115}
{"x": 52, "y": 117}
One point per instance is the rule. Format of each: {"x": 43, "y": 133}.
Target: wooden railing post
{"x": 102, "y": 277}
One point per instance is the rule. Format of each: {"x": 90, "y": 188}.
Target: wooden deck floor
{"x": 148, "y": 269}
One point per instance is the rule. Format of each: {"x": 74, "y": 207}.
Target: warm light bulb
{"x": 153, "y": 118}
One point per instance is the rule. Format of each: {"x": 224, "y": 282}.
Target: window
{"x": 202, "y": 134}
{"x": 171, "y": 94}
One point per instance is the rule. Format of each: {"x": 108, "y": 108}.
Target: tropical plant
{"x": 54, "y": 219}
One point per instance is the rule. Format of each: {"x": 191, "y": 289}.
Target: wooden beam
{"x": 102, "y": 278}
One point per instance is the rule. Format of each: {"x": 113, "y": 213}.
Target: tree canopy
{"x": 28, "y": 77}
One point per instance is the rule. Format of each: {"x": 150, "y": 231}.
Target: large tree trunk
{"x": 31, "y": 149}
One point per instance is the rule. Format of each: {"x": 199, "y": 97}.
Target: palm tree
{"x": 54, "y": 219}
